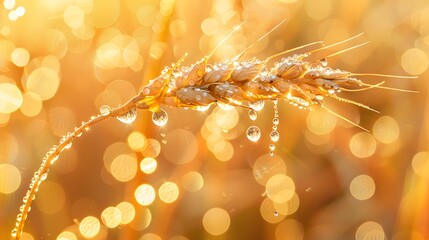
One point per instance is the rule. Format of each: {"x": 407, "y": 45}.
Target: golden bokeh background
{"x": 199, "y": 177}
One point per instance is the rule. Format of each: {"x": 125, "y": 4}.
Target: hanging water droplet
{"x": 253, "y": 133}
{"x": 275, "y": 101}
{"x": 324, "y": 62}
{"x": 257, "y": 106}
{"x": 274, "y": 135}
{"x": 128, "y": 117}
{"x": 253, "y": 115}
{"x": 272, "y": 147}
{"x": 202, "y": 108}
{"x": 160, "y": 118}
{"x": 225, "y": 106}
{"x": 276, "y": 121}
{"x": 105, "y": 110}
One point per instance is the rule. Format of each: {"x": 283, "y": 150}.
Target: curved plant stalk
{"x": 53, "y": 154}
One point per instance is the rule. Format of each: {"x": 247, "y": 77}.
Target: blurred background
{"x": 199, "y": 177}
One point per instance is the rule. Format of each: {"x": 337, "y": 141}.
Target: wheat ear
{"x": 302, "y": 82}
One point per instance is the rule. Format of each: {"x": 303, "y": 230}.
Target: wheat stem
{"x": 52, "y": 155}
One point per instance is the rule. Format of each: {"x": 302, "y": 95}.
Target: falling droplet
{"x": 128, "y": 117}
{"x": 253, "y": 115}
{"x": 272, "y": 147}
{"x": 257, "y": 106}
{"x": 276, "y": 121}
{"x": 164, "y": 141}
{"x": 253, "y": 133}
{"x": 274, "y": 136}
{"x": 324, "y": 62}
{"x": 160, "y": 118}
{"x": 276, "y": 213}
{"x": 105, "y": 110}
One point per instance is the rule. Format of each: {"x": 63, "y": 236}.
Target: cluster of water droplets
{"x": 274, "y": 135}
{"x": 160, "y": 119}
{"x": 253, "y": 133}
{"x": 42, "y": 174}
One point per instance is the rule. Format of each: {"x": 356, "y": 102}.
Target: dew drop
{"x": 202, "y": 108}
{"x": 160, "y": 118}
{"x": 128, "y": 117}
{"x": 253, "y": 133}
{"x": 105, "y": 110}
{"x": 43, "y": 177}
{"x": 68, "y": 145}
{"x": 14, "y": 232}
{"x": 146, "y": 91}
{"x": 54, "y": 159}
{"x": 324, "y": 62}
{"x": 253, "y": 115}
{"x": 257, "y": 106}
{"x": 276, "y": 121}
{"x": 274, "y": 135}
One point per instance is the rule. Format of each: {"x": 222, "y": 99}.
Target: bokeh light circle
{"x": 216, "y": 221}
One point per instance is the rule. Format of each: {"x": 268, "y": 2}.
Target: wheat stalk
{"x": 303, "y": 82}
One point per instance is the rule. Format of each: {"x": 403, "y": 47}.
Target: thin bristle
{"x": 292, "y": 49}
{"x": 335, "y": 44}
{"x": 383, "y": 75}
{"x": 344, "y": 118}
{"x": 224, "y": 39}
{"x": 352, "y": 102}
{"x": 347, "y": 49}
{"x": 389, "y": 88}
{"x": 259, "y": 39}
{"x": 362, "y": 89}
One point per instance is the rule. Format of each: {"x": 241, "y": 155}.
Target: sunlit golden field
{"x": 199, "y": 177}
